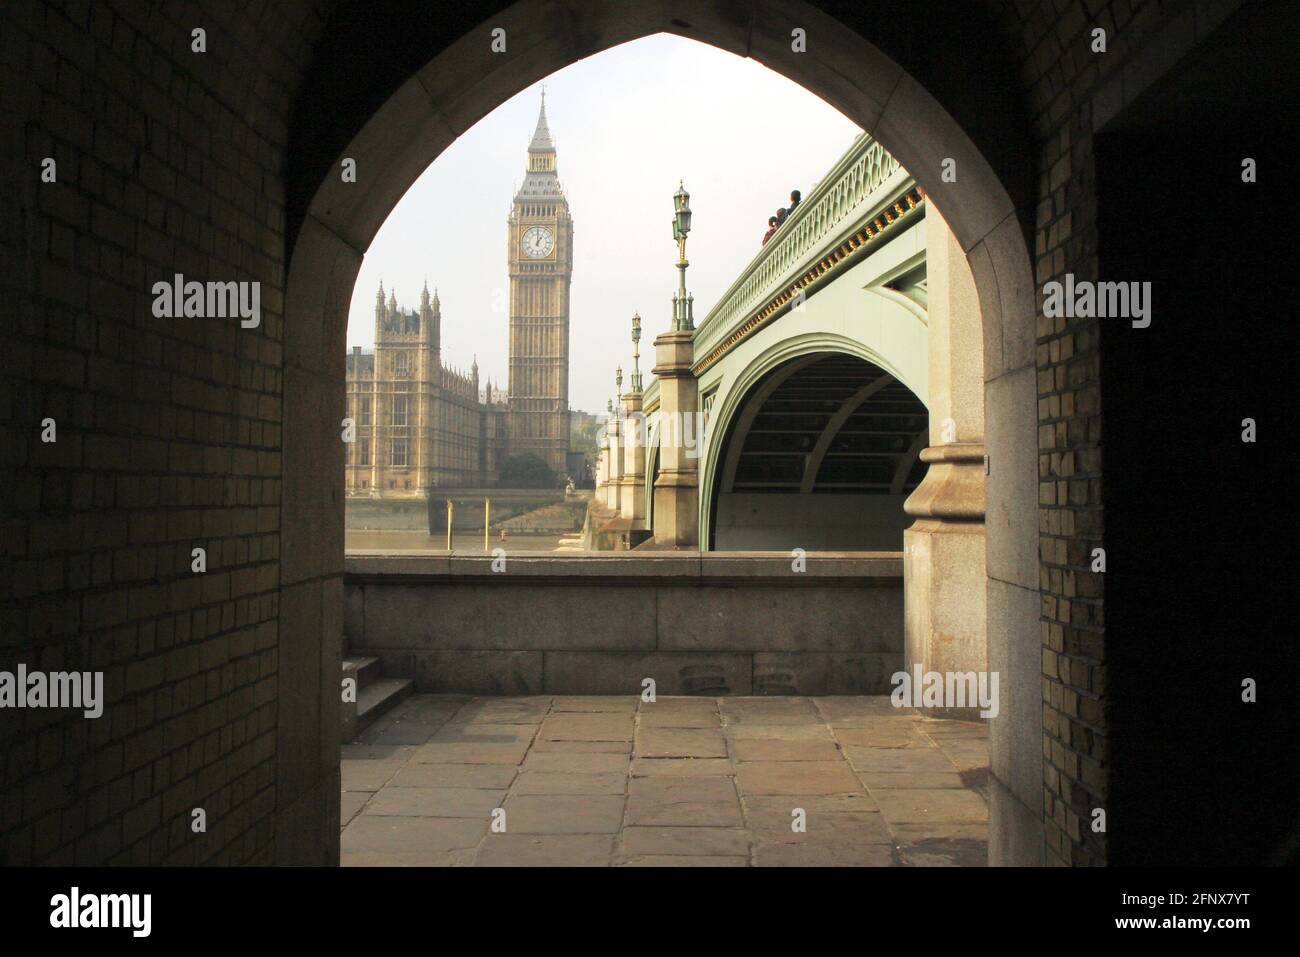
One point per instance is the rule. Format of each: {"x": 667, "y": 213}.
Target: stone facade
{"x": 419, "y": 424}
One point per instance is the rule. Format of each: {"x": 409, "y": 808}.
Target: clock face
{"x": 537, "y": 242}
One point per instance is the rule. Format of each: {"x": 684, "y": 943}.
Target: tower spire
{"x": 542, "y": 141}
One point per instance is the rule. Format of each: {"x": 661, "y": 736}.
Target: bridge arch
{"x": 811, "y": 400}
{"x": 734, "y": 395}
{"x": 915, "y": 99}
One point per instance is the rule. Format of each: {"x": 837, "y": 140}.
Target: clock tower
{"x": 540, "y": 256}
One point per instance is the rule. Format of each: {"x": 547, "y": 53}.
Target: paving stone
{"x": 940, "y": 852}
{"x": 796, "y": 777}
{"x": 898, "y": 788}
{"x": 680, "y": 743}
{"x": 838, "y": 709}
{"x": 460, "y": 857}
{"x": 643, "y": 812}
{"x": 569, "y": 782}
{"x": 898, "y": 736}
{"x": 824, "y": 855}
{"x": 618, "y": 704}
{"x": 375, "y": 752}
{"x": 769, "y": 704}
{"x": 951, "y": 728}
{"x": 671, "y": 789}
{"x": 776, "y": 749}
{"x": 563, "y": 814}
{"x": 898, "y": 759}
{"x": 777, "y": 732}
{"x": 682, "y": 767}
{"x": 679, "y": 703}
{"x": 400, "y": 733}
{"x": 683, "y": 860}
{"x": 679, "y": 719}
{"x": 587, "y": 727}
{"x": 542, "y": 746}
{"x": 491, "y": 776}
{"x": 762, "y": 809}
{"x": 350, "y": 804}
{"x": 435, "y": 802}
{"x": 503, "y": 711}
{"x": 786, "y": 714}
{"x": 367, "y": 775}
{"x": 911, "y": 779}
{"x": 411, "y": 840}
{"x": 917, "y": 833}
{"x": 476, "y": 752}
{"x": 485, "y": 733}
{"x": 702, "y": 841}
{"x": 542, "y": 850}
{"x": 941, "y": 805}
{"x": 685, "y": 802}
{"x": 584, "y": 763}
{"x": 853, "y": 828}
{"x": 853, "y": 818}
{"x": 425, "y": 708}
{"x": 966, "y": 754}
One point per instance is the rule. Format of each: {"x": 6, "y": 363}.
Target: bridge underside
{"x": 822, "y": 456}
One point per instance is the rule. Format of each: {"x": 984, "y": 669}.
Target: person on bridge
{"x": 795, "y": 199}
{"x": 771, "y": 229}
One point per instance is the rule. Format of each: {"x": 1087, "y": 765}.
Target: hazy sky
{"x": 628, "y": 123}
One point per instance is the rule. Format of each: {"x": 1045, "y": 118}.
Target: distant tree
{"x": 527, "y": 471}
{"x": 583, "y": 436}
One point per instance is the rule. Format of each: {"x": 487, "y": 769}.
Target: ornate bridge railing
{"x": 858, "y": 199}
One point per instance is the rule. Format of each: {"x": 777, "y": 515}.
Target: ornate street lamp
{"x": 636, "y": 353}
{"x": 683, "y": 305}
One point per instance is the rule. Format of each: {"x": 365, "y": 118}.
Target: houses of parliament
{"x": 420, "y": 425}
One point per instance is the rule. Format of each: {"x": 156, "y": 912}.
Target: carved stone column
{"x": 614, "y": 462}
{"x": 677, "y": 498}
{"x": 943, "y": 563}
{"x": 634, "y": 438}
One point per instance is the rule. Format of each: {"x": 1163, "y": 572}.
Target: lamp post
{"x": 676, "y": 485}
{"x": 636, "y": 353}
{"x": 683, "y": 305}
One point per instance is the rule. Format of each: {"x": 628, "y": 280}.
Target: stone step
{"x": 365, "y": 669}
{"x": 380, "y": 696}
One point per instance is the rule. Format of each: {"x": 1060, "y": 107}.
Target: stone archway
{"x": 332, "y": 223}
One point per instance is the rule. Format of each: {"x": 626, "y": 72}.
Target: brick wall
{"x": 1065, "y": 81}
{"x": 168, "y": 430}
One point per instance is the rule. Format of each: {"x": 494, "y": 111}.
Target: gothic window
{"x": 401, "y": 364}
{"x": 364, "y": 417}
{"x": 363, "y": 455}
{"x": 399, "y": 410}
{"x": 399, "y": 453}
